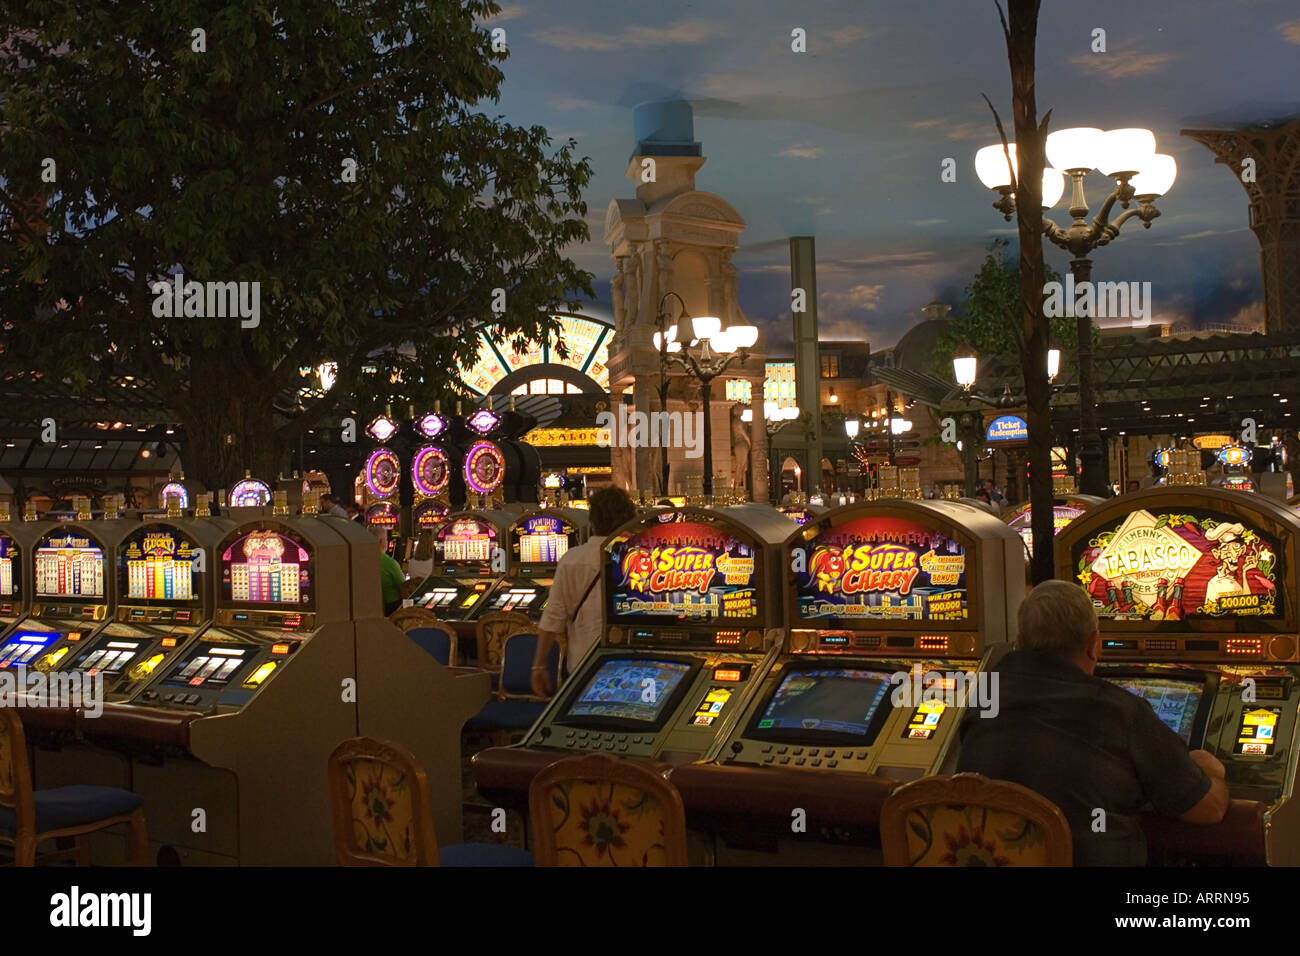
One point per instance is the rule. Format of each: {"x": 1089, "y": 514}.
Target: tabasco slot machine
{"x": 1196, "y": 592}
{"x": 692, "y": 622}
{"x": 893, "y": 608}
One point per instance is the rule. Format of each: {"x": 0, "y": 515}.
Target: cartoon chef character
{"x": 1235, "y": 557}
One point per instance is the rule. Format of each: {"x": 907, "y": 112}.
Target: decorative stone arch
{"x": 571, "y": 376}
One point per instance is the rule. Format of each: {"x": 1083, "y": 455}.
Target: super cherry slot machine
{"x": 1196, "y": 592}
{"x": 469, "y": 561}
{"x": 692, "y": 622}
{"x": 538, "y": 539}
{"x": 73, "y": 592}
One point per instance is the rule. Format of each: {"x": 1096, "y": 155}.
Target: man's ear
{"x": 1094, "y": 646}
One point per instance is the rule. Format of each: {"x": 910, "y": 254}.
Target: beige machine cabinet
{"x": 403, "y": 694}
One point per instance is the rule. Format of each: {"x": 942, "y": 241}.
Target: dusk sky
{"x": 845, "y": 142}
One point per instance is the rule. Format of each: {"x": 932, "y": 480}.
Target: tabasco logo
{"x": 669, "y": 569}
{"x": 854, "y": 569}
{"x": 1143, "y": 552}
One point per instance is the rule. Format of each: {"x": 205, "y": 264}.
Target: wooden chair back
{"x": 415, "y": 618}
{"x": 382, "y": 809}
{"x": 599, "y": 810}
{"x": 491, "y": 631}
{"x": 15, "y": 774}
{"x": 970, "y": 820}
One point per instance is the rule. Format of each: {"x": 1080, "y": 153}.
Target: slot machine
{"x": 1196, "y": 592}
{"x": 241, "y": 720}
{"x": 16, "y": 540}
{"x": 692, "y": 620}
{"x": 538, "y": 539}
{"x": 1065, "y": 508}
{"x": 893, "y": 609}
{"x": 469, "y": 561}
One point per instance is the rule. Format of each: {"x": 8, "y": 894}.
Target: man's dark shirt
{"x": 1084, "y": 744}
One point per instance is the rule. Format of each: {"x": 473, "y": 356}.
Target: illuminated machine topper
{"x": 1169, "y": 567}
{"x": 485, "y": 467}
{"x": 1234, "y": 455}
{"x": 541, "y": 539}
{"x": 156, "y": 564}
{"x": 382, "y": 514}
{"x": 10, "y": 567}
{"x": 1022, "y": 521}
{"x": 266, "y": 567}
{"x": 173, "y": 489}
{"x": 483, "y": 421}
{"x": 69, "y": 565}
{"x": 886, "y": 569}
{"x": 383, "y": 472}
{"x": 430, "y": 513}
{"x": 1007, "y": 428}
{"x": 429, "y": 471}
{"x": 465, "y": 540}
{"x": 250, "y": 493}
{"x": 431, "y": 425}
{"x": 684, "y": 570}
{"x": 382, "y": 429}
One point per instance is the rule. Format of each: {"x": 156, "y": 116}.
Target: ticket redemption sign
{"x": 684, "y": 571}
{"x": 881, "y": 568}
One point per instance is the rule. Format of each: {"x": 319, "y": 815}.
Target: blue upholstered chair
{"x": 28, "y": 818}
{"x": 516, "y": 707}
{"x": 383, "y": 813}
{"x": 439, "y": 642}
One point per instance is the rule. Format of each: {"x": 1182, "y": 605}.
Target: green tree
{"x": 333, "y": 151}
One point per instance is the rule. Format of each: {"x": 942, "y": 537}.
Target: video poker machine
{"x": 692, "y": 620}
{"x": 469, "y": 561}
{"x": 537, "y": 540}
{"x": 893, "y": 608}
{"x": 16, "y": 540}
{"x": 1196, "y": 592}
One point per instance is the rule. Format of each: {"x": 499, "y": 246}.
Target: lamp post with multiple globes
{"x": 1126, "y": 156}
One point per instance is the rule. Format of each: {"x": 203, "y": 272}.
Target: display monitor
{"x": 521, "y": 598}
{"x": 214, "y": 665}
{"x": 267, "y": 567}
{"x": 23, "y": 647}
{"x": 156, "y": 565}
{"x": 465, "y": 541}
{"x": 636, "y": 693}
{"x": 11, "y": 567}
{"x": 69, "y": 564}
{"x": 111, "y": 656}
{"x": 684, "y": 571}
{"x": 1177, "y": 701}
{"x": 882, "y": 569}
{"x": 1162, "y": 565}
{"x": 541, "y": 539}
{"x": 839, "y": 705}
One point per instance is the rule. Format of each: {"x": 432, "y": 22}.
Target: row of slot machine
{"x": 217, "y": 664}
{"x": 767, "y": 665}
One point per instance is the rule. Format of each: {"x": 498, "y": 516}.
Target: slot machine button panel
{"x": 832, "y": 764}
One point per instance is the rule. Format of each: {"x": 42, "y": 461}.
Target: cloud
{"x": 683, "y": 32}
{"x": 509, "y": 11}
{"x": 1202, "y": 235}
{"x": 571, "y": 103}
{"x": 1122, "y": 64}
{"x": 799, "y": 151}
{"x": 866, "y": 297}
{"x": 847, "y": 35}
{"x": 1290, "y": 31}
{"x": 954, "y": 130}
{"x": 893, "y": 258}
{"x": 1250, "y": 317}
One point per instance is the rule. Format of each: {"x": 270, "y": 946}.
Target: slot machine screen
{"x": 882, "y": 569}
{"x": 10, "y": 567}
{"x": 684, "y": 571}
{"x": 266, "y": 567}
{"x": 214, "y": 665}
{"x": 638, "y": 694}
{"x": 465, "y": 540}
{"x": 23, "y": 648}
{"x": 69, "y": 564}
{"x": 833, "y": 704}
{"x": 156, "y": 566}
{"x": 1163, "y": 566}
{"x": 440, "y": 597}
{"x": 541, "y": 539}
{"x": 1176, "y": 701}
{"x": 515, "y": 599}
{"x": 109, "y": 657}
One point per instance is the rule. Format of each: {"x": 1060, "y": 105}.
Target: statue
{"x": 741, "y": 444}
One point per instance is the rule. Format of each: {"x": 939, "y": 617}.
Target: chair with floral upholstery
{"x": 599, "y": 810}
{"x": 383, "y": 813}
{"x": 970, "y": 820}
{"x": 30, "y": 817}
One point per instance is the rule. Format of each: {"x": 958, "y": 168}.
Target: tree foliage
{"x": 229, "y": 164}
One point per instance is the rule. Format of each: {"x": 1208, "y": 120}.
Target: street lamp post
{"x": 1126, "y": 156}
{"x": 665, "y": 342}
{"x": 710, "y": 353}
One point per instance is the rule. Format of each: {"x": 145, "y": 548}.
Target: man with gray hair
{"x": 1097, "y": 751}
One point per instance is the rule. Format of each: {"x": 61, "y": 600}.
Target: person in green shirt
{"x": 392, "y": 581}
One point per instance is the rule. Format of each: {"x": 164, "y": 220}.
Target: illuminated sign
{"x": 485, "y": 467}
{"x": 882, "y": 569}
{"x": 69, "y": 566}
{"x": 683, "y": 569}
{"x": 553, "y": 437}
{"x": 176, "y": 489}
{"x": 382, "y": 514}
{"x": 429, "y": 471}
{"x": 465, "y": 539}
{"x": 1007, "y": 428}
{"x": 250, "y": 493}
{"x": 1211, "y": 442}
{"x": 382, "y": 473}
{"x": 541, "y": 539}
{"x": 265, "y": 567}
{"x": 157, "y": 565}
{"x": 429, "y": 513}
{"x": 10, "y": 567}
{"x": 1234, "y": 455}
{"x": 1172, "y": 566}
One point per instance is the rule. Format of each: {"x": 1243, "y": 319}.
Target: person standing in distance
{"x": 574, "y": 609}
